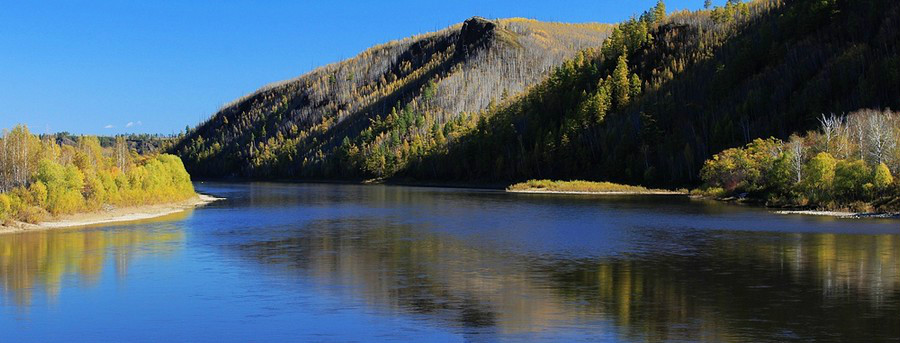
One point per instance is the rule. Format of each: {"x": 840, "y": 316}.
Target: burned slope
{"x": 379, "y": 101}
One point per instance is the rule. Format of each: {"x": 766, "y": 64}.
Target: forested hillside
{"x": 385, "y": 102}
{"x": 647, "y": 105}
{"x": 666, "y": 93}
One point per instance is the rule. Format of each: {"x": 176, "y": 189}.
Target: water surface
{"x": 348, "y": 263}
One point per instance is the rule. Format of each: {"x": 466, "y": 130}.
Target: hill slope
{"x": 385, "y": 100}
{"x": 666, "y": 94}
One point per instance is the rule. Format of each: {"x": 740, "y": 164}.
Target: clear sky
{"x": 108, "y": 67}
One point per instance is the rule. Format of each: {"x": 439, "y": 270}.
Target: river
{"x": 375, "y": 263}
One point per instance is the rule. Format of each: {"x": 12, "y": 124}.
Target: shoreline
{"x": 544, "y": 191}
{"x": 839, "y": 214}
{"x": 782, "y": 211}
{"x": 367, "y": 182}
{"x": 800, "y": 211}
{"x": 115, "y": 215}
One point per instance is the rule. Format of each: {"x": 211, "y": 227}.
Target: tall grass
{"x": 581, "y": 186}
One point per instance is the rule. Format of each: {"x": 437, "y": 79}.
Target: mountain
{"x": 386, "y": 101}
{"x": 665, "y": 93}
{"x": 646, "y": 101}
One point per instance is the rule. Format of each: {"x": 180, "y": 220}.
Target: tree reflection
{"x": 39, "y": 261}
{"x": 705, "y": 286}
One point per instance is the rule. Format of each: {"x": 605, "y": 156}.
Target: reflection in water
{"x": 720, "y": 286}
{"x": 283, "y": 262}
{"x": 38, "y": 261}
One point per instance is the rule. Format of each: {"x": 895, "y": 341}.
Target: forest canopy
{"x": 40, "y": 177}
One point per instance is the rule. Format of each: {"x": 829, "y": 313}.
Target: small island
{"x": 585, "y": 187}
{"x": 50, "y": 182}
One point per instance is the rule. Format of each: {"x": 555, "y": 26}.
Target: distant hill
{"x": 390, "y": 96}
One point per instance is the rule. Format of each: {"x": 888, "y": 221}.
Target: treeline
{"x": 387, "y": 102}
{"x": 142, "y": 143}
{"x": 666, "y": 92}
{"x": 39, "y": 177}
{"x": 849, "y": 162}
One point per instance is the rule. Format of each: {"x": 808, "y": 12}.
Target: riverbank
{"x": 377, "y": 181}
{"x": 112, "y": 215}
{"x": 792, "y": 210}
{"x": 585, "y": 188}
{"x": 840, "y": 214}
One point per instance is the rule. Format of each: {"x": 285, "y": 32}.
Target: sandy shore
{"x": 841, "y": 214}
{"x": 544, "y": 191}
{"x": 114, "y": 215}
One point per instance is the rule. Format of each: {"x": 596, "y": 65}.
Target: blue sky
{"x": 93, "y": 67}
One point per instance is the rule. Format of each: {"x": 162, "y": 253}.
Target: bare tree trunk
{"x": 4, "y": 163}
{"x": 860, "y": 129}
{"x": 796, "y": 147}
{"x": 831, "y": 128}
{"x": 880, "y": 136}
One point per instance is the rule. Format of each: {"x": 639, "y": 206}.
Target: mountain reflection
{"x": 693, "y": 285}
{"x": 39, "y": 261}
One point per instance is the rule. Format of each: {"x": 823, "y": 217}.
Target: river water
{"x": 352, "y": 263}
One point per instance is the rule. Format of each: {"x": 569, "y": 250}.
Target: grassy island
{"x": 42, "y": 178}
{"x": 582, "y": 187}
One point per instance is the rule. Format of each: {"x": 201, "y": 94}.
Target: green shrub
{"x": 5, "y": 209}
{"x": 819, "y": 179}
{"x": 883, "y": 178}
{"x": 744, "y": 169}
{"x": 850, "y": 178}
{"x": 38, "y": 193}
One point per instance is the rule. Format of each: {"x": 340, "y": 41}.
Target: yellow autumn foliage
{"x": 82, "y": 178}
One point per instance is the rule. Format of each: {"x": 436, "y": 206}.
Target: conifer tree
{"x": 621, "y": 86}
{"x": 659, "y": 12}
{"x": 635, "y": 87}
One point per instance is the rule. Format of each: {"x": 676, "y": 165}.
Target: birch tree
{"x": 832, "y": 127}
{"x": 858, "y": 126}
{"x": 18, "y": 157}
{"x": 880, "y": 136}
{"x": 798, "y": 152}
{"x": 120, "y": 153}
